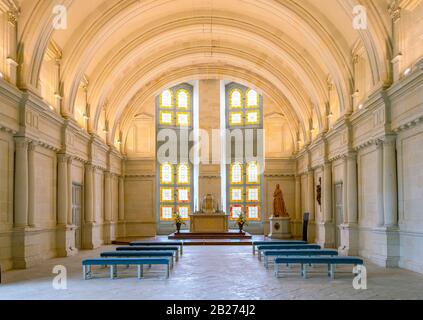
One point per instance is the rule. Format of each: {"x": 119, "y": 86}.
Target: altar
{"x": 209, "y": 223}
{"x": 209, "y": 219}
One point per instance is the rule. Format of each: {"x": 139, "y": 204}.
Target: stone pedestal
{"x": 66, "y": 241}
{"x": 280, "y": 228}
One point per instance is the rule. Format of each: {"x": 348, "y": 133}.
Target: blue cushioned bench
{"x": 139, "y": 254}
{"x": 175, "y": 250}
{"x": 261, "y": 248}
{"x": 267, "y": 254}
{"x": 331, "y": 262}
{"x": 159, "y": 243}
{"x": 276, "y": 242}
{"x": 114, "y": 262}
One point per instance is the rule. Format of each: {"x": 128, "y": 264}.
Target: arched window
{"x": 166, "y": 99}
{"x": 183, "y": 99}
{"x": 244, "y": 189}
{"x": 236, "y": 173}
{"x": 166, "y": 173}
{"x": 174, "y": 110}
{"x": 252, "y": 99}
{"x": 236, "y": 99}
{"x": 184, "y": 174}
{"x": 253, "y": 176}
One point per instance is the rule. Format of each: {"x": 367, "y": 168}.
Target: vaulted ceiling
{"x": 130, "y": 50}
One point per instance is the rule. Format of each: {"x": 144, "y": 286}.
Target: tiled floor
{"x": 212, "y": 272}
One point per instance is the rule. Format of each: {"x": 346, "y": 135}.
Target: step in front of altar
{"x": 231, "y": 234}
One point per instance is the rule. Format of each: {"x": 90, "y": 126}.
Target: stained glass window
{"x": 184, "y": 212}
{"x": 252, "y": 99}
{"x": 184, "y": 195}
{"x": 236, "y": 173}
{"x": 183, "y": 99}
{"x": 166, "y": 174}
{"x": 253, "y": 176}
{"x": 166, "y": 99}
{"x": 252, "y": 117}
{"x": 235, "y": 118}
{"x": 253, "y": 194}
{"x": 183, "y": 119}
{"x": 253, "y": 212}
{"x": 237, "y": 194}
{"x": 166, "y": 212}
{"x": 166, "y": 118}
{"x": 166, "y": 195}
{"x": 236, "y": 99}
{"x": 183, "y": 174}
{"x": 236, "y": 211}
{"x": 244, "y": 112}
{"x": 174, "y": 110}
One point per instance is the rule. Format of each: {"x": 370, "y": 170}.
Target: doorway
{"x": 77, "y": 213}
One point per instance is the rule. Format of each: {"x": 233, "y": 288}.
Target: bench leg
{"x": 112, "y": 272}
{"x": 171, "y": 262}
{"x": 139, "y": 272}
{"x": 304, "y": 271}
{"x": 254, "y": 250}
{"x": 276, "y": 268}
{"x": 259, "y": 255}
{"x": 176, "y": 256}
{"x": 182, "y": 248}
{"x": 266, "y": 262}
{"x": 332, "y": 271}
{"x": 167, "y": 271}
{"x": 84, "y": 273}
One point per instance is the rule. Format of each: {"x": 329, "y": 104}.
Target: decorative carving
{"x": 319, "y": 192}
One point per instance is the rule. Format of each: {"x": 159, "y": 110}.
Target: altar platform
{"x": 231, "y": 235}
{"x": 197, "y": 241}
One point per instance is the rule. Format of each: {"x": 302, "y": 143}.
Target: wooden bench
{"x": 261, "y": 248}
{"x": 175, "y": 250}
{"x": 159, "y": 243}
{"x": 114, "y": 262}
{"x": 331, "y": 262}
{"x": 276, "y": 242}
{"x": 139, "y": 254}
{"x": 267, "y": 254}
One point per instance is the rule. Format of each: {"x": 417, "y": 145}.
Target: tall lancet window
{"x": 175, "y": 178}
{"x": 244, "y": 120}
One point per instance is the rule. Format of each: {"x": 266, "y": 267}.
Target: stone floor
{"x": 212, "y": 272}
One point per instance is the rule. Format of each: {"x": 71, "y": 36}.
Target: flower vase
{"x": 178, "y": 227}
{"x": 241, "y": 227}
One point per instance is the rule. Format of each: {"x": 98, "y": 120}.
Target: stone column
{"x": 298, "y": 213}
{"x": 69, "y": 188}
{"x": 31, "y": 184}
{"x": 327, "y": 192}
{"x": 349, "y": 231}
{"x": 379, "y": 185}
{"x": 21, "y": 182}
{"x": 352, "y": 188}
{"x": 107, "y": 197}
{"x": 89, "y": 194}
{"x": 121, "y": 199}
{"x": 62, "y": 189}
{"x": 310, "y": 194}
{"x": 390, "y": 197}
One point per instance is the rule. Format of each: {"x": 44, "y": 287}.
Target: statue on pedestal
{"x": 279, "y": 208}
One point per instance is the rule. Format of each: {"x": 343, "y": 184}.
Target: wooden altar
{"x": 209, "y": 223}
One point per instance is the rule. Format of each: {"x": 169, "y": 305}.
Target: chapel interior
{"x": 330, "y": 90}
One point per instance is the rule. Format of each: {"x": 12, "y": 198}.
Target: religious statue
{"x": 209, "y": 204}
{"x": 279, "y": 208}
{"x": 319, "y": 192}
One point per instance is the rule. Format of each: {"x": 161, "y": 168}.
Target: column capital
{"x": 395, "y": 11}
{"x": 61, "y": 157}
{"x": 22, "y": 142}
{"x": 389, "y": 140}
